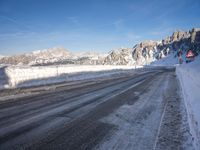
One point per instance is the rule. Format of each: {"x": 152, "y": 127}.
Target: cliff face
{"x": 122, "y": 56}
{"x": 148, "y": 51}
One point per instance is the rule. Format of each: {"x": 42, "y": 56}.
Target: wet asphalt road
{"x": 77, "y": 116}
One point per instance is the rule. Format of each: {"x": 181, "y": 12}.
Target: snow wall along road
{"x": 23, "y": 76}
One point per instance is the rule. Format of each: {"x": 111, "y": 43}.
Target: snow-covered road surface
{"x": 137, "y": 111}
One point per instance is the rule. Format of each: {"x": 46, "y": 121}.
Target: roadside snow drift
{"x": 21, "y": 76}
{"x": 189, "y": 76}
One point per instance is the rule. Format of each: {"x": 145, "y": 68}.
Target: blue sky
{"x": 90, "y": 25}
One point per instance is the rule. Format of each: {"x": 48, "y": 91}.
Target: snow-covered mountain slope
{"x": 88, "y": 58}
{"x": 122, "y": 56}
{"x": 92, "y": 55}
{"x": 49, "y": 56}
{"x": 169, "y": 60}
{"x": 54, "y": 56}
{"x": 179, "y": 40}
{"x": 51, "y": 53}
{"x": 42, "y": 56}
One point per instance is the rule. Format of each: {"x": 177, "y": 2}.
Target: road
{"x": 137, "y": 111}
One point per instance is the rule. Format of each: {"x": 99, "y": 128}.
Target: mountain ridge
{"x": 147, "y": 52}
{"x": 142, "y": 53}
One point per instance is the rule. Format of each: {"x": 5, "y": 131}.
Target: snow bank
{"x": 189, "y": 76}
{"x": 169, "y": 60}
{"x": 3, "y": 77}
{"x": 20, "y": 76}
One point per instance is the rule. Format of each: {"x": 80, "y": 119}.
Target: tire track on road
{"x": 26, "y": 128}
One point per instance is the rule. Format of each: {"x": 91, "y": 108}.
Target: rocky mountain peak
{"x": 121, "y": 56}
{"x": 148, "y": 43}
{"x": 40, "y": 56}
{"x": 148, "y": 51}
{"x": 195, "y": 35}
{"x": 178, "y": 35}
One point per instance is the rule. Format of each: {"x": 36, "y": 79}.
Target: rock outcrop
{"x": 122, "y": 56}
{"x": 148, "y": 51}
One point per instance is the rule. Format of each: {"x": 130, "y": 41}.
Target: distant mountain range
{"x": 52, "y": 56}
{"x": 141, "y": 54}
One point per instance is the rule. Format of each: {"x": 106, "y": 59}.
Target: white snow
{"x": 189, "y": 76}
{"x": 20, "y": 76}
{"x": 1, "y": 56}
{"x": 137, "y": 124}
{"x": 169, "y": 60}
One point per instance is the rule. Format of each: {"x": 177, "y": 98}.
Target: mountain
{"x": 37, "y": 57}
{"x": 143, "y": 53}
{"x": 1, "y": 56}
{"x": 122, "y": 56}
{"x": 89, "y": 58}
{"x": 179, "y": 40}
{"x": 148, "y": 51}
{"x": 54, "y": 56}
{"x": 48, "y": 56}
